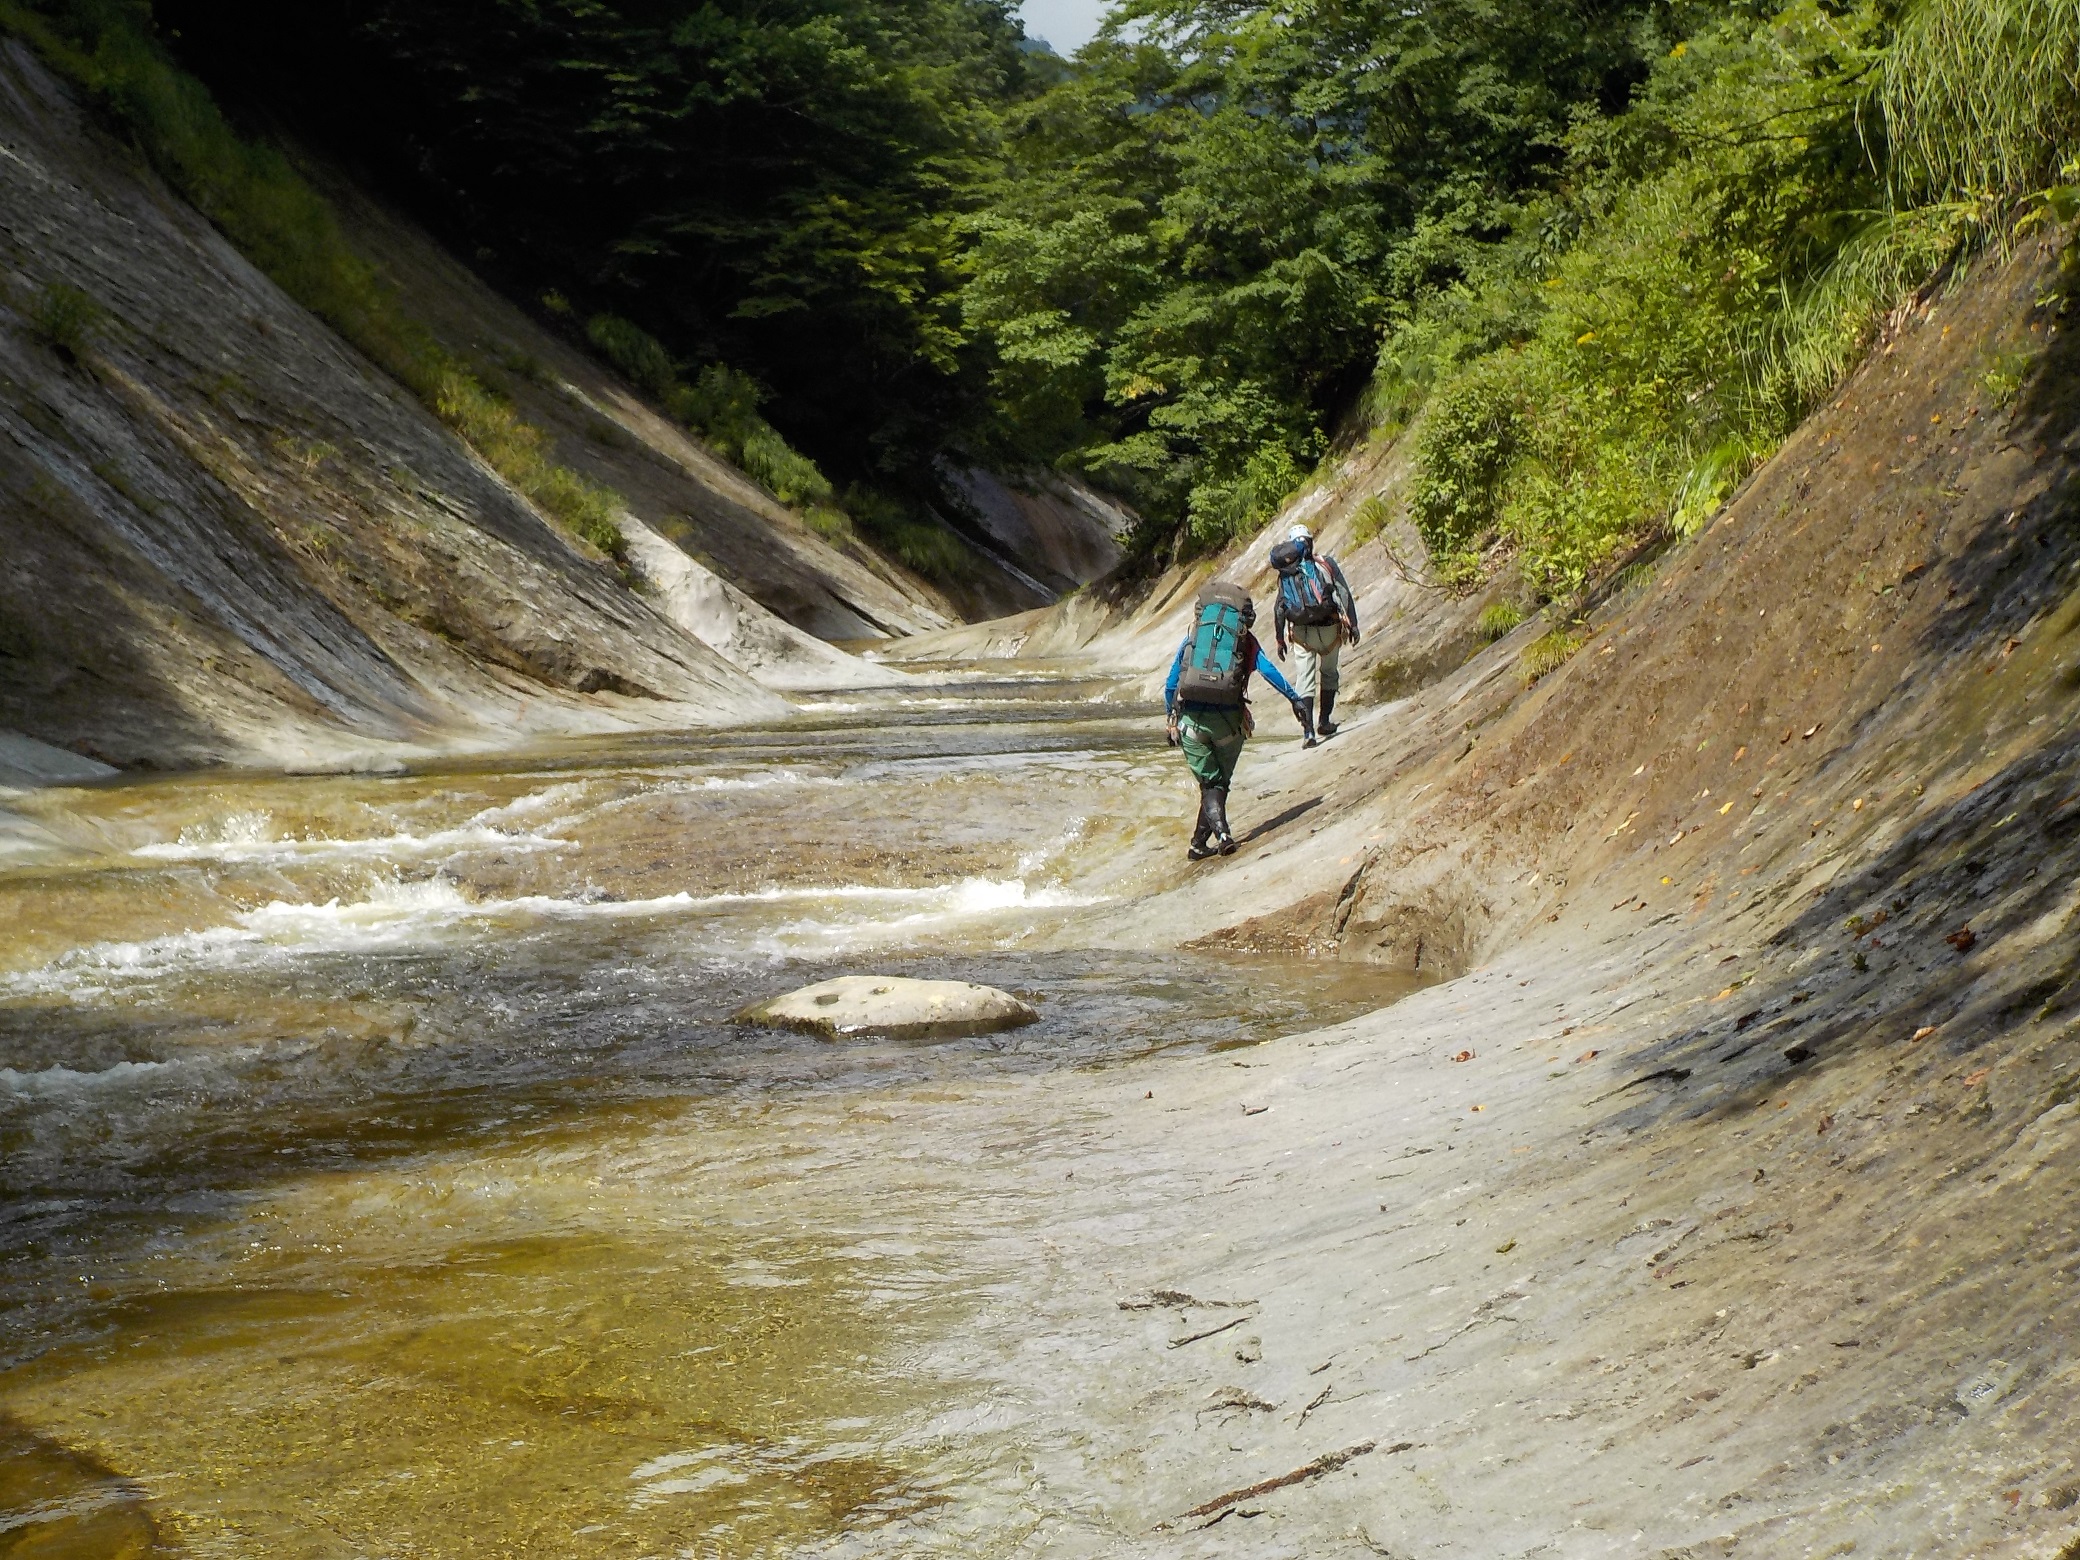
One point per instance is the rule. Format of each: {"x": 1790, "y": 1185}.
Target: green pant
{"x": 1212, "y": 741}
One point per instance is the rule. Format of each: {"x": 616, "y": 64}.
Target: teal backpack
{"x": 1214, "y": 671}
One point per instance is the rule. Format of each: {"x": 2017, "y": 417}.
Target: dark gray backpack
{"x": 1214, "y": 671}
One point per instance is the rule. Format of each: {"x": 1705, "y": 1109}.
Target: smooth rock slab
{"x": 895, "y": 1006}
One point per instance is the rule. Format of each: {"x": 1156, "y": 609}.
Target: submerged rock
{"x": 895, "y": 1006}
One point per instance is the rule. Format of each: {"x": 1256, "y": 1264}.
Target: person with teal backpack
{"x": 1207, "y": 701}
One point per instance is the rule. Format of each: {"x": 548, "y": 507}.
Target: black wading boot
{"x": 1200, "y": 849}
{"x": 1223, "y": 841}
{"x": 1325, "y": 726}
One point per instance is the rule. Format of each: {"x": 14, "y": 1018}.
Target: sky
{"x": 1067, "y": 24}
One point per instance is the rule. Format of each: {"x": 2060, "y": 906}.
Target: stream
{"x": 384, "y": 1174}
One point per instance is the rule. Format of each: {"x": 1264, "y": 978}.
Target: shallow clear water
{"x": 384, "y": 1175}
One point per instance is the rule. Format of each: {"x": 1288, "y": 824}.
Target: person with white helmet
{"x": 1318, "y": 614}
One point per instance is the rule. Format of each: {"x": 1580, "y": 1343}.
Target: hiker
{"x": 1317, "y": 612}
{"x": 1207, "y": 700}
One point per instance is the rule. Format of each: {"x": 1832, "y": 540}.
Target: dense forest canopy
{"x": 1598, "y": 255}
{"x": 1203, "y": 233}
{"x": 771, "y": 183}
{"x": 1172, "y": 267}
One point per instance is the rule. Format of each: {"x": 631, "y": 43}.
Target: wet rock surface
{"x": 894, "y": 1006}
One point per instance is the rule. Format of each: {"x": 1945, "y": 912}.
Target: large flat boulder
{"x": 894, "y": 1006}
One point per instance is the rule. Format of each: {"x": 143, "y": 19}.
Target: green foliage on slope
{"x": 260, "y": 202}
{"x": 1596, "y": 257}
{"x": 722, "y": 405}
{"x": 1773, "y": 190}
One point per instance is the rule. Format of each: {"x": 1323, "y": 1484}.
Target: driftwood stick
{"x": 1327, "y": 1463}
{"x": 1178, "y": 1343}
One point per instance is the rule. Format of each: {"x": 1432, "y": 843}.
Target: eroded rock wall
{"x": 228, "y": 539}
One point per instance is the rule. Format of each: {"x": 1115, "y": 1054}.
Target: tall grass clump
{"x": 1498, "y": 619}
{"x": 1983, "y": 95}
{"x": 66, "y": 317}
{"x": 1549, "y": 652}
{"x": 921, "y": 546}
{"x": 254, "y": 195}
{"x": 524, "y": 455}
{"x": 721, "y": 405}
{"x": 1369, "y": 520}
{"x": 1731, "y": 242}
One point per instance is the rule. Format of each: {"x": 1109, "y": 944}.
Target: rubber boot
{"x": 1305, "y": 709}
{"x": 1200, "y": 848}
{"x": 1325, "y": 725}
{"x": 1223, "y": 841}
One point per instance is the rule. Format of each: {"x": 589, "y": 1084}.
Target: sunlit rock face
{"x": 893, "y": 1006}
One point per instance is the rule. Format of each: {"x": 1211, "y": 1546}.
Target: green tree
{"x": 1202, "y": 234}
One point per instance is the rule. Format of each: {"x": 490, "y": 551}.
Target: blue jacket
{"x": 1251, "y": 662}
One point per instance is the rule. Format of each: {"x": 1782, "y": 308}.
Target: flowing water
{"x": 384, "y": 1174}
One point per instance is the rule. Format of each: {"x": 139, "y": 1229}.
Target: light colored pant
{"x": 1317, "y": 647}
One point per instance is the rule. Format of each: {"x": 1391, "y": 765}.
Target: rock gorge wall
{"x": 676, "y": 486}
{"x": 225, "y": 538}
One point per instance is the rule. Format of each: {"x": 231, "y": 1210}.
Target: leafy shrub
{"x": 65, "y": 317}
{"x": 1497, "y": 619}
{"x": 791, "y": 475}
{"x": 723, "y": 406}
{"x": 635, "y": 352}
{"x": 833, "y": 525}
{"x": 924, "y": 547}
{"x": 1223, "y": 511}
{"x": 1728, "y": 246}
{"x": 720, "y": 404}
{"x": 1462, "y": 452}
{"x": 2003, "y": 378}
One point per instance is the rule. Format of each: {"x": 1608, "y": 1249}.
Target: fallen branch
{"x": 1178, "y": 1343}
{"x": 1486, "y": 1311}
{"x": 1328, "y": 1463}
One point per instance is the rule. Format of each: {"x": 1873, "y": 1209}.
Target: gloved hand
{"x": 1170, "y": 734}
{"x": 1280, "y": 642}
{"x": 1351, "y": 636}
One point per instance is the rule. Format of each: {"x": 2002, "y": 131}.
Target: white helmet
{"x": 1299, "y": 533}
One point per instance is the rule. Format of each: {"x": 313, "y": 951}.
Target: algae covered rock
{"x": 894, "y": 1006}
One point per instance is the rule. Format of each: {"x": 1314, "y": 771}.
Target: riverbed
{"x": 385, "y": 1174}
